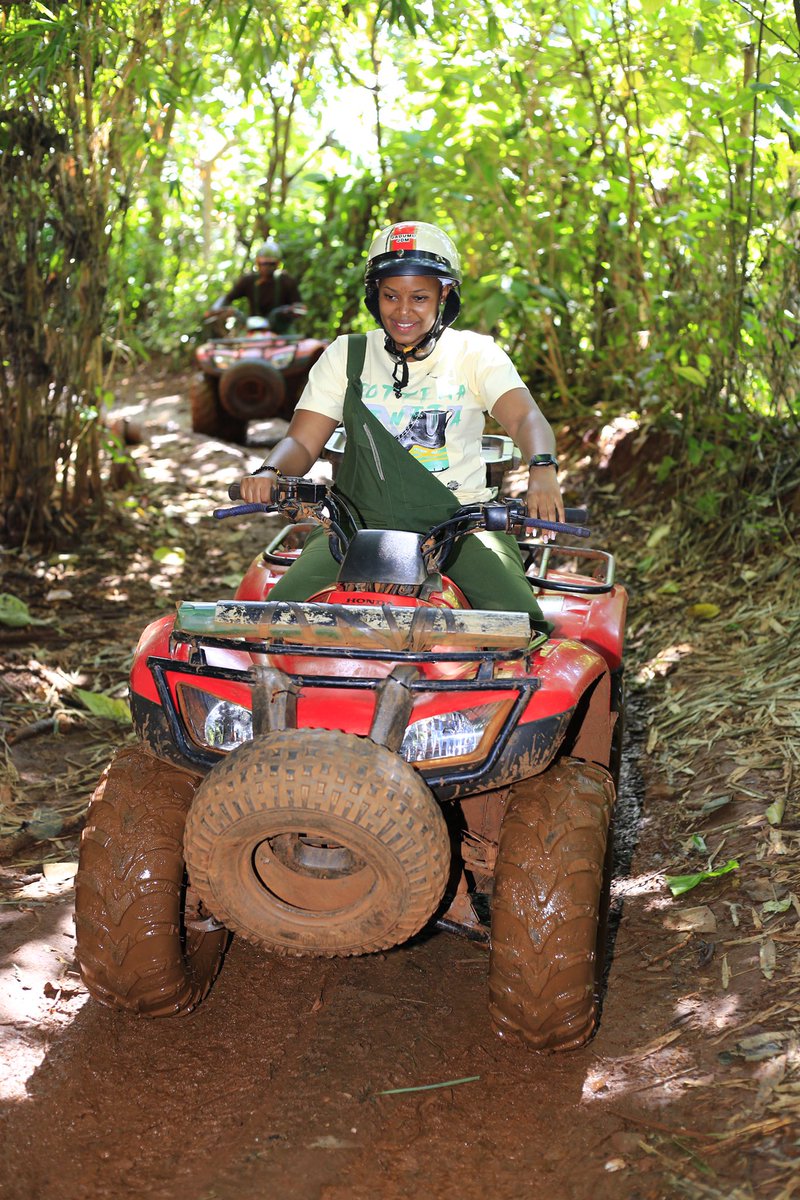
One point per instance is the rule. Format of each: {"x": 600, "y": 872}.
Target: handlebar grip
{"x": 558, "y": 527}
{"x": 241, "y": 510}
{"x": 234, "y": 492}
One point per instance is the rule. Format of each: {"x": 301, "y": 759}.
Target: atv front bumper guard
{"x": 386, "y": 634}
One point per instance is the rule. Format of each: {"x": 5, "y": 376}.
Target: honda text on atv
{"x": 325, "y": 778}
{"x": 250, "y": 372}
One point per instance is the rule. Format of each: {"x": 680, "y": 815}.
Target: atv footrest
{"x": 473, "y": 933}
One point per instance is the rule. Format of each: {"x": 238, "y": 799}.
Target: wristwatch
{"x": 543, "y": 460}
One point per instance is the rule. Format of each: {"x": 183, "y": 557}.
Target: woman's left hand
{"x": 544, "y": 495}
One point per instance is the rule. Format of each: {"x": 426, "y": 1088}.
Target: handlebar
{"x": 572, "y": 516}
{"x": 301, "y": 499}
{"x": 244, "y": 510}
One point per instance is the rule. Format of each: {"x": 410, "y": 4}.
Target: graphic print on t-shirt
{"x": 425, "y": 438}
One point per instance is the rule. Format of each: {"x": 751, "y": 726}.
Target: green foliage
{"x": 15, "y": 612}
{"x": 679, "y": 884}
{"x": 622, "y": 182}
{"x": 101, "y": 705}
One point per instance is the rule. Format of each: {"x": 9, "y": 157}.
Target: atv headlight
{"x": 221, "y": 361}
{"x": 281, "y": 359}
{"x": 214, "y": 723}
{"x": 452, "y": 735}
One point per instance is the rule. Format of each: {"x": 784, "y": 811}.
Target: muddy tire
{"x": 208, "y": 416}
{"x": 547, "y": 910}
{"x": 252, "y": 391}
{"x": 134, "y": 947}
{"x": 317, "y": 843}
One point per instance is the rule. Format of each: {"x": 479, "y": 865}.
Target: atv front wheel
{"x": 208, "y": 417}
{"x": 143, "y": 943}
{"x": 547, "y": 910}
{"x": 317, "y": 843}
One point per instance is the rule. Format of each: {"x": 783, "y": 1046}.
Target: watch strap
{"x": 543, "y": 460}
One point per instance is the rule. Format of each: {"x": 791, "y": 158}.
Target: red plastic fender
{"x": 154, "y": 640}
{"x": 259, "y": 579}
{"x": 565, "y": 670}
{"x": 597, "y": 621}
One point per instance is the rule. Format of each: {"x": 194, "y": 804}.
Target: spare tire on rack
{"x": 252, "y": 391}
{"x": 315, "y": 842}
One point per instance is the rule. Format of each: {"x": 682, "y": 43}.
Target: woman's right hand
{"x": 257, "y": 489}
{"x": 292, "y": 456}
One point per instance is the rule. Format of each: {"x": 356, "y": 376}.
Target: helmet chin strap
{"x": 401, "y": 354}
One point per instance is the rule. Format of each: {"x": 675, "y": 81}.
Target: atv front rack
{"x": 344, "y": 628}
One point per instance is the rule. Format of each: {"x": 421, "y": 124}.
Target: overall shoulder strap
{"x": 356, "y": 353}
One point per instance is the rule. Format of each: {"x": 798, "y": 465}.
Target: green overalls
{"x": 394, "y": 491}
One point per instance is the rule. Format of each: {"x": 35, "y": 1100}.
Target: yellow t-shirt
{"x": 439, "y": 417}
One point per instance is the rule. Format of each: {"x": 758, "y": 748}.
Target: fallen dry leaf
{"x": 699, "y": 919}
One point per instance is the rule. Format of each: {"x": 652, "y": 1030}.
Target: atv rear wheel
{"x": 547, "y": 910}
{"x": 317, "y": 843}
{"x": 252, "y": 391}
{"x": 208, "y": 417}
{"x": 143, "y": 944}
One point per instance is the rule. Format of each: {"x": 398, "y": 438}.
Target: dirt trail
{"x": 272, "y": 1088}
{"x": 276, "y": 1085}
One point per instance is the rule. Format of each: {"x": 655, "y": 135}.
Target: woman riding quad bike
{"x": 373, "y": 734}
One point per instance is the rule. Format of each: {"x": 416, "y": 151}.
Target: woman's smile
{"x": 409, "y": 305}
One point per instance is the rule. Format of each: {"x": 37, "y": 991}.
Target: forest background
{"x": 624, "y": 185}
{"x": 623, "y": 182}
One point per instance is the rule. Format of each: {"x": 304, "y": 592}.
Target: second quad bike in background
{"x": 249, "y": 372}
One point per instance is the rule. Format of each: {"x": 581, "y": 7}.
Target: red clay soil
{"x": 379, "y": 1076}
{"x": 274, "y": 1086}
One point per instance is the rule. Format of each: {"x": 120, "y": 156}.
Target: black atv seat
{"x": 381, "y": 556}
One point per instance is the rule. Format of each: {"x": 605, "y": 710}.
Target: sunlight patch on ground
{"x": 39, "y": 991}
{"x": 659, "y": 1067}
{"x": 611, "y": 435}
{"x": 163, "y": 411}
{"x": 651, "y": 883}
{"x": 717, "y": 1013}
{"x": 211, "y": 448}
{"x": 662, "y": 662}
{"x": 59, "y": 681}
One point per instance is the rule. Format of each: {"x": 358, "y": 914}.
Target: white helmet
{"x": 413, "y": 248}
{"x": 270, "y": 249}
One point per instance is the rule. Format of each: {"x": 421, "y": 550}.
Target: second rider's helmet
{"x": 270, "y": 250}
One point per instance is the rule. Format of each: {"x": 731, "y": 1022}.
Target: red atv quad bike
{"x": 328, "y": 778}
{"x": 250, "y": 373}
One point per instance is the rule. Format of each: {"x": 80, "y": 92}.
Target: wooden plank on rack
{"x": 362, "y": 626}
